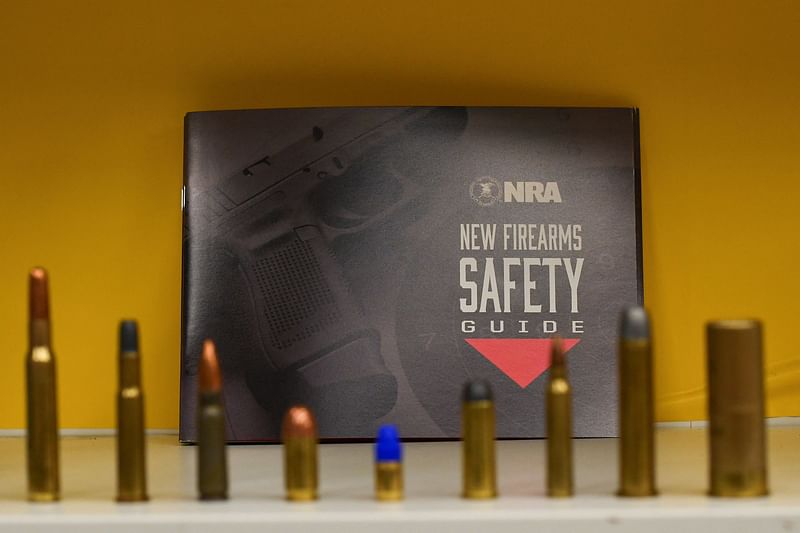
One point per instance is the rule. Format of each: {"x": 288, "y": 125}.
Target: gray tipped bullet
{"x": 478, "y": 432}
{"x": 637, "y": 441}
{"x": 131, "y": 446}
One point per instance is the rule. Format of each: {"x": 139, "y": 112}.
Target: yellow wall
{"x": 92, "y": 96}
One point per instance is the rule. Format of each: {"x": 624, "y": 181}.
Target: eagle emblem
{"x": 485, "y": 191}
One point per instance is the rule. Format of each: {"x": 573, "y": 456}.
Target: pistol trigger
{"x": 307, "y": 233}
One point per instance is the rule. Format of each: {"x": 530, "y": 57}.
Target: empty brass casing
{"x": 42, "y": 435}
{"x": 737, "y": 436}
{"x": 389, "y": 481}
{"x": 131, "y": 455}
{"x": 212, "y": 459}
{"x": 300, "y": 454}
{"x": 559, "y": 427}
{"x": 637, "y": 441}
{"x": 478, "y": 434}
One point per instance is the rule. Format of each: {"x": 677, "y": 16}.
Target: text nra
{"x": 531, "y": 191}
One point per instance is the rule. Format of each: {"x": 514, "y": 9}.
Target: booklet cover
{"x": 367, "y": 262}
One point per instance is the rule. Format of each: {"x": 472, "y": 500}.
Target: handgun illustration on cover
{"x": 279, "y": 217}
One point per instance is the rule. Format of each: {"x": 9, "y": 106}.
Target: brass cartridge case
{"x": 559, "y": 427}
{"x": 212, "y": 457}
{"x": 41, "y": 400}
{"x": 388, "y": 464}
{"x": 300, "y": 454}
{"x": 42, "y": 435}
{"x": 637, "y": 476}
{"x": 737, "y": 436}
{"x": 389, "y": 481}
{"x": 131, "y": 454}
{"x": 478, "y": 448}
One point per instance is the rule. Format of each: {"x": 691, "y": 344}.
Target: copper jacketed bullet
{"x": 40, "y": 366}
{"x": 212, "y": 458}
{"x": 636, "y": 443}
{"x": 559, "y": 426}
{"x": 478, "y": 434}
{"x": 131, "y": 455}
{"x": 737, "y": 436}
{"x": 299, "y": 434}
{"x": 388, "y": 465}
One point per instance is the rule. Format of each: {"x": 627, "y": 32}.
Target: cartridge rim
{"x": 132, "y": 498}
{"x": 302, "y": 495}
{"x": 44, "y": 497}
{"x": 213, "y": 497}
{"x": 725, "y": 492}
{"x": 480, "y": 494}
{"x": 649, "y": 493}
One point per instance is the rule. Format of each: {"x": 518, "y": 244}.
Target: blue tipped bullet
{"x": 388, "y": 464}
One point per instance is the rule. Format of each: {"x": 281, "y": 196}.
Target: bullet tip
{"x": 556, "y": 352}
{"x": 39, "y": 273}
{"x": 128, "y": 336}
{"x": 477, "y": 391}
{"x": 299, "y": 422}
{"x": 210, "y": 375}
{"x": 635, "y": 325}
{"x": 39, "y": 305}
{"x": 387, "y": 445}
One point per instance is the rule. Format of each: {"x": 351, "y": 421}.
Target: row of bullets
{"x": 736, "y": 420}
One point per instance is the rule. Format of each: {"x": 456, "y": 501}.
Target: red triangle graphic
{"x": 523, "y": 360}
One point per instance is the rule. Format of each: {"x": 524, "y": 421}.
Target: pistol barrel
{"x": 636, "y": 442}
{"x": 559, "y": 426}
{"x": 737, "y": 436}
{"x": 42, "y": 423}
{"x": 212, "y": 459}
{"x": 478, "y": 448}
{"x": 299, "y": 433}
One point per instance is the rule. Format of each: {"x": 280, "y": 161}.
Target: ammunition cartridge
{"x": 131, "y": 455}
{"x": 559, "y": 426}
{"x": 388, "y": 465}
{"x": 478, "y": 448}
{"x": 299, "y": 433}
{"x": 636, "y": 443}
{"x": 212, "y": 458}
{"x": 737, "y": 436}
{"x": 40, "y": 366}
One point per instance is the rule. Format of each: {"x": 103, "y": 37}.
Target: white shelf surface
{"x": 432, "y": 491}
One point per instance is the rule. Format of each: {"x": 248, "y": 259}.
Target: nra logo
{"x": 488, "y": 191}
